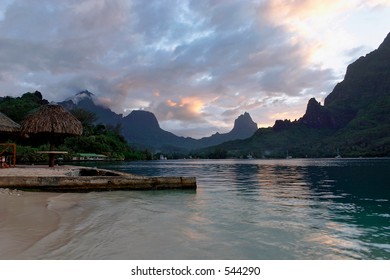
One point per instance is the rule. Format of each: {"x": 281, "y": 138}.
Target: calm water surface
{"x": 242, "y": 209}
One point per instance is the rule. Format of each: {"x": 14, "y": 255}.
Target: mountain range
{"x": 141, "y": 128}
{"x": 354, "y": 120}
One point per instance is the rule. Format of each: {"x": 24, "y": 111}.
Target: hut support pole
{"x": 14, "y": 154}
{"x": 51, "y": 156}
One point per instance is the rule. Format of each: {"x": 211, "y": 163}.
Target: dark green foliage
{"x": 296, "y": 141}
{"x": 18, "y": 108}
{"x": 218, "y": 153}
{"x": 368, "y": 134}
{"x": 29, "y": 154}
{"x": 86, "y": 118}
{"x": 98, "y": 139}
{"x": 101, "y": 139}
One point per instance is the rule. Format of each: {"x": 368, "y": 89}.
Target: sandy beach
{"x": 38, "y": 170}
{"x": 35, "y": 225}
{"x": 24, "y": 220}
{"x": 24, "y": 216}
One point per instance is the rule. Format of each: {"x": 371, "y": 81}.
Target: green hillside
{"x": 101, "y": 139}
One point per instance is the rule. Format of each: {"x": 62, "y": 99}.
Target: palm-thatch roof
{"x": 7, "y": 125}
{"x": 51, "y": 119}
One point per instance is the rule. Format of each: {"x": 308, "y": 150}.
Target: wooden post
{"x": 51, "y": 156}
{"x": 14, "y": 159}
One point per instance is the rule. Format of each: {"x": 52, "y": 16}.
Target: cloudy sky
{"x": 196, "y": 64}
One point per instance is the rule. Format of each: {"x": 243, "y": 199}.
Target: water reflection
{"x": 260, "y": 209}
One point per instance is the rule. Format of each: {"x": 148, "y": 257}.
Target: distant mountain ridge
{"x": 366, "y": 80}
{"x": 244, "y": 127}
{"x": 141, "y": 128}
{"x": 88, "y": 101}
{"x": 355, "y": 118}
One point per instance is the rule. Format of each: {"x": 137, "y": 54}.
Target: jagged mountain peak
{"x": 244, "y": 123}
{"x": 312, "y": 106}
{"x": 316, "y": 116}
{"x": 85, "y": 93}
{"x": 82, "y": 95}
{"x": 143, "y": 119}
{"x": 88, "y": 101}
{"x": 141, "y": 128}
{"x": 366, "y": 80}
{"x": 245, "y": 116}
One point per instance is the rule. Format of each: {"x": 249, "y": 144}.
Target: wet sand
{"x": 24, "y": 220}
{"x": 24, "y": 216}
{"x": 39, "y": 225}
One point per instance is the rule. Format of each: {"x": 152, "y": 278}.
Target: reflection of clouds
{"x": 284, "y": 185}
{"x": 260, "y": 209}
{"x": 342, "y": 240}
{"x": 197, "y": 225}
{"x": 194, "y": 234}
{"x": 291, "y": 197}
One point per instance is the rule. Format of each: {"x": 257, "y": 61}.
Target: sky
{"x": 197, "y": 65}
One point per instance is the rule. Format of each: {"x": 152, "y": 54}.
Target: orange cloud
{"x": 287, "y": 10}
{"x": 170, "y": 103}
{"x": 186, "y": 108}
{"x": 192, "y": 104}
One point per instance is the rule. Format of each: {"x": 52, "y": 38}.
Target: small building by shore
{"x": 90, "y": 157}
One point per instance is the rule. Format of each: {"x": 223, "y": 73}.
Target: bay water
{"x": 242, "y": 209}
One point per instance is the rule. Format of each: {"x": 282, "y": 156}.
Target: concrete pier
{"x": 85, "y": 179}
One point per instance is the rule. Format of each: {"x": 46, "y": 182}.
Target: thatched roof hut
{"x": 7, "y": 125}
{"x": 51, "y": 120}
